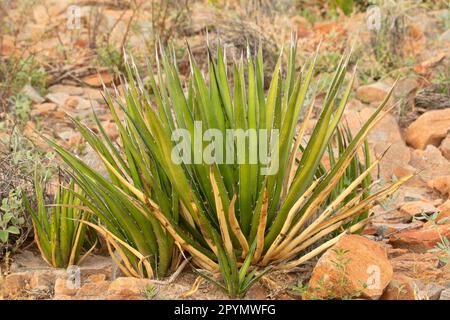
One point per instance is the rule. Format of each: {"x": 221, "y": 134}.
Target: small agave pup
{"x": 228, "y": 215}
{"x": 58, "y": 228}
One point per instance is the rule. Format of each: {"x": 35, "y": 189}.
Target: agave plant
{"x": 273, "y": 200}
{"x": 58, "y": 229}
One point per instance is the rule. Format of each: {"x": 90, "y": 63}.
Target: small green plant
{"x": 15, "y": 73}
{"x": 11, "y": 216}
{"x": 236, "y": 281}
{"x": 21, "y": 105}
{"x": 150, "y": 291}
{"x": 345, "y": 5}
{"x": 110, "y": 57}
{"x": 59, "y": 229}
{"x": 19, "y": 158}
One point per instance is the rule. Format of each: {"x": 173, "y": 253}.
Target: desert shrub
{"x": 238, "y": 216}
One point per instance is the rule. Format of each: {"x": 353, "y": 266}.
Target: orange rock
{"x": 43, "y": 109}
{"x": 354, "y": 266}
{"x": 401, "y": 287}
{"x": 429, "y": 128}
{"x": 375, "y": 92}
{"x": 416, "y": 208}
{"x": 62, "y": 288}
{"x": 127, "y": 288}
{"x": 71, "y": 102}
{"x": 111, "y": 130}
{"x": 421, "y": 266}
{"x": 444, "y": 211}
{"x": 95, "y": 80}
{"x": 403, "y": 171}
{"x": 420, "y": 240}
{"x": 96, "y": 278}
{"x": 423, "y": 67}
{"x": 95, "y": 290}
{"x": 441, "y": 184}
{"x": 15, "y": 283}
{"x": 445, "y": 147}
{"x": 75, "y": 140}
{"x": 384, "y": 136}
{"x": 429, "y": 164}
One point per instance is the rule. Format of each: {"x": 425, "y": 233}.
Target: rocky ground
{"x": 404, "y": 253}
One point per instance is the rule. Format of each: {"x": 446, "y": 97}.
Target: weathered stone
{"x": 64, "y": 288}
{"x": 417, "y": 208}
{"x": 79, "y": 103}
{"x": 404, "y": 87}
{"x": 445, "y": 36}
{"x": 374, "y": 92}
{"x": 96, "y": 80}
{"x": 127, "y": 288}
{"x": 95, "y": 290}
{"x": 354, "y": 266}
{"x": 445, "y": 295}
{"x": 441, "y": 184}
{"x": 403, "y": 171}
{"x": 111, "y": 129}
{"x": 429, "y": 163}
{"x": 95, "y": 264}
{"x": 384, "y": 136}
{"x": 391, "y": 217}
{"x": 67, "y": 89}
{"x": 93, "y": 94}
{"x": 430, "y": 128}
{"x": 32, "y": 93}
{"x": 420, "y": 240}
{"x": 355, "y": 104}
{"x": 43, "y": 109}
{"x": 43, "y": 280}
{"x": 58, "y": 98}
{"x": 96, "y": 278}
{"x": 429, "y": 291}
{"x": 387, "y": 229}
{"x": 401, "y": 287}
{"x": 15, "y": 283}
{"x": 424, "y": 267}
{"x": 445, "y": 147}
{"x": 444, "y": 212}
